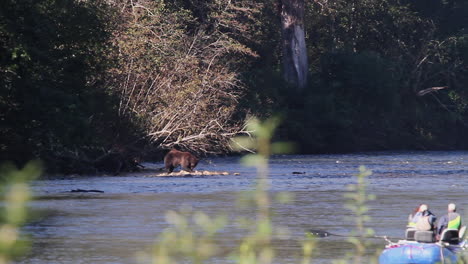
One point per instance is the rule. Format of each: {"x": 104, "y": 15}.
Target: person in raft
{"x": 451, "y": 220}
{"x": 426, "y": 219}
{"x": 413, "y": 217}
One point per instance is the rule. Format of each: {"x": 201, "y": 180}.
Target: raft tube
{"x": 418, "y": 253}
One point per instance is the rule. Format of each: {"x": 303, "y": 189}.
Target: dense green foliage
{"x": 53, "y": 98}
{"x": 80, "y": 80}
{"x": 369, "y": 61}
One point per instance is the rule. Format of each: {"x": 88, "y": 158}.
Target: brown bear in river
{"x": 174, "y": 158}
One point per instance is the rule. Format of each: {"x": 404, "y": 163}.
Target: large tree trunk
{"x": 295, "y": 63}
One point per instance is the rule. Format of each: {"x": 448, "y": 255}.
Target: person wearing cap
{"x": 451, "y": 220}
{"x": 414, "y": 217}
{"x": 425, "y": 220}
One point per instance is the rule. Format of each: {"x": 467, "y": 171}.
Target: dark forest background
{"x": 100, "y": 85}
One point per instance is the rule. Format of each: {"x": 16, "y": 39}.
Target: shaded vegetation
{"x": 53, "y": 99}
{"x": 92, "y": 86}
{"x": 369, "y": 61}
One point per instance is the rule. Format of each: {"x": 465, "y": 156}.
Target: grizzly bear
{"x": 174, "y": 158}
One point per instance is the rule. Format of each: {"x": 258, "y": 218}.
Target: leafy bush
{"x": 53, "y": 104}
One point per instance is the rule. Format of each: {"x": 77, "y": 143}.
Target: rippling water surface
{"x": 114, "y": 226}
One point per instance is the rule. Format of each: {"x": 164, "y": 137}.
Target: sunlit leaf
{"x": 283, "y": 148}
{"x": 284, "y": 197}
{"x": 243, "y": 143}
{"x": 252, "y": 160}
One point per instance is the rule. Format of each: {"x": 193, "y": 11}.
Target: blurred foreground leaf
{"x": 15, "y": 194}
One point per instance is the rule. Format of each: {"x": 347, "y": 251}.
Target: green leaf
{"x": 253, "y": 160}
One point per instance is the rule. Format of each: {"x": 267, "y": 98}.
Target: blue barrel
{"x": 417, "y": 253}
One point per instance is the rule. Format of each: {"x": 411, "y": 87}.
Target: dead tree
{"x": 295, "y": 64}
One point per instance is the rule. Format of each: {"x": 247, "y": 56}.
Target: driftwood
{"x": 86, "y": 191}
{"x": 193, "y": 173}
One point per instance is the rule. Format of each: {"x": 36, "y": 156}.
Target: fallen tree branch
{"x": 430, "y": 90}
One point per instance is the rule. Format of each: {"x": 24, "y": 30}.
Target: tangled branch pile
{"x": 179, "y": 73}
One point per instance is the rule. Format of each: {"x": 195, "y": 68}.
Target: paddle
{"x": 323, "y": 233}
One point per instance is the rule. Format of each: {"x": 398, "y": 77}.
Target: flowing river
{"x": 121, "y": 224}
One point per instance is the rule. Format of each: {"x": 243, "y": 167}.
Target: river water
{"x": 122, "y": 223}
